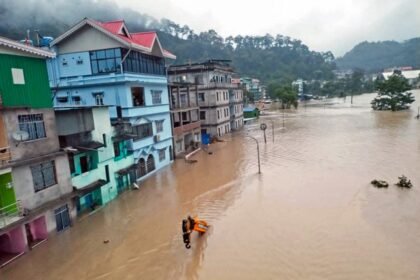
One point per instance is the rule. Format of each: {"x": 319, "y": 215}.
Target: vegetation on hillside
{"x": 268, "y": 58}
{"x": 376, "y": 56}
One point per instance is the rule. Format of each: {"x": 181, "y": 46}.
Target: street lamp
{"x": 258, "y": 152}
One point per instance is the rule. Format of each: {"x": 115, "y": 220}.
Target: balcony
{"x": 10, "y": 214}
{"x": 5, "y": 156}
{"x": 186, "y": 127}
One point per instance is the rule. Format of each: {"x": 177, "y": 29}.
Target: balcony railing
{"x": 186, "y": 127}
{"x": 10, "y": 213}
{"x": 5, "y": 156}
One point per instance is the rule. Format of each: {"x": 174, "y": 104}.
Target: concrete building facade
{"x": 217, "y": 95}
{"x": 35, "y": 187}
{"x": 185, "y": 117}
{"x": 102, "y": 63}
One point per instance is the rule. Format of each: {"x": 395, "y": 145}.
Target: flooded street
{"x": 311, "y": 214}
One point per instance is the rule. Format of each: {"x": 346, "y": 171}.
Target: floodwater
{"x": 311, "y": 214}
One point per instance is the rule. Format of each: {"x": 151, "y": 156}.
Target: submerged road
{"x": 311, "y": 214}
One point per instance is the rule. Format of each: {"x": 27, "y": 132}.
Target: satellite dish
{"x": 20, "y": 135}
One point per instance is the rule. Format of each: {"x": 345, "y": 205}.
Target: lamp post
{"x": 258, "y": 152}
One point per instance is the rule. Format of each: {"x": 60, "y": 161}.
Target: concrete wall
{"x": 24, "y": 187}
{"x": 87, "y": 39}
{"x": 74, "y": 121}
{"x": 33, "y": 148}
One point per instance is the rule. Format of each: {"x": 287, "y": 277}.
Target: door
{"x": 62, "y": 218}
{"x": 84, "y": 165}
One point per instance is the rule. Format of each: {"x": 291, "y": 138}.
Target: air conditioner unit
{"x": 156, "y": 138}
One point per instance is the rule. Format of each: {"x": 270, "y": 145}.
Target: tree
{"x": 288, "y": 96}
{"x": 392, "y": 94}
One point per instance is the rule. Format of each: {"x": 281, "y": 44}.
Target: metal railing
{"x": 10, "y": 213}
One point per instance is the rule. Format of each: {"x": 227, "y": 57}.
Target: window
{"x": 162, "y": 155}
{"x": 143, "y": 63}
{"x": 33, "y": 124}
{"x": 218, "y": 114}
{"x": 156, "y": 97}
{"x": 117, "y": 150}
{"x": 43, "y": 175}
{"x": 141, "y": 168}
{"x": 150, "y": 163}
{"x": 104, "y": 138}
{"x": 71, "y": 163}
{"x": 143, "y": 130}
{"x": 137, "y": 94}
{"x": 99, "y": 98}
{"x": 18, "y": 77}
{"x": 202, "y": 115}
{"x": 159, "y": 126}
{"x": 105, "y": 61}
{"x": 201, "y": 96}
{"x": 217, "y": 95}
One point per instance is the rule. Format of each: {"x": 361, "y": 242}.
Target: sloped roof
{"x": 144, "y": 42}
{"x": 25, "y": 48}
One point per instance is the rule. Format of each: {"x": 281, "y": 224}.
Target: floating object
{"x": 380, "y": 183}
{"x": 191, "y": 160}
{"x": 404, "y": 182}
{"x": 192, "y": 224}
{"x": 135, "y": 186}
{"x": 210, "y": 153}
{"x": 106, "y": 241}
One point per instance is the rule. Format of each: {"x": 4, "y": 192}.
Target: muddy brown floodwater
{"x": 311, "y": 214}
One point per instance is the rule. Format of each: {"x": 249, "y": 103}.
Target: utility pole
{"x": 272, "y": 129}
{"x": 258, "y": 152}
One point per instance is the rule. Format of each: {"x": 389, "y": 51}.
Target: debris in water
{"x": 380, "y": 183}
{"x": 106, "y": 241}
{"x": 404, "y": 182}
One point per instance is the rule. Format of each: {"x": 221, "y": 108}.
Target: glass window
{"x": 201, "y": 96}
{"x": 33, "y": 124}
{"x": 159, "y": 126}
{"x": 202, "y": 115}
{"x": 162, "y": 155}
{"x": 43, "y": 175}
{"x": 156, "y": 97}
{"x": 105, "y": 61}
{"x": 143, "y": 130}
{"x": 117, "y": 150}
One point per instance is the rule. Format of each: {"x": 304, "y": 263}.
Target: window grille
{"x": 33, "y": 124}
{"x": 43, "y": 175}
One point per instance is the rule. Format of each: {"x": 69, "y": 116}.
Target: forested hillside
{"x": 375, "y": 56}
{"x": 269, "y": 58}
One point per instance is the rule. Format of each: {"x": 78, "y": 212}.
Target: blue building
{"x": 102, "y": 63}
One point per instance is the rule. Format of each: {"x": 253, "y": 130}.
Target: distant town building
{"x": 299, "y": 85}
{"x": 251, "y": 112}
{"x": 411, "y": 75}
{"x": 102, "y": 63}
{"x": 219, "y": 99}
{"x": 185, "y": 114}
{"x": 35, "y": 187}
{"x": 253, "y": 87}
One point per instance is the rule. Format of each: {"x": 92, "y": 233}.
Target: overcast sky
{"x": 321, "y": 24}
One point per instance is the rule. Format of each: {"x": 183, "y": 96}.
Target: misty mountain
{"x": 269, "y": 58}
{"x": 375, "y": 56}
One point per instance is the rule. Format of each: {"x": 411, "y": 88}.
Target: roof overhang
{"x": 26, "y": 48}
{"x": 117, "y": 37}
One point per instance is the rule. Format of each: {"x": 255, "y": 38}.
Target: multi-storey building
{"x": 253, "y": 87}
{"x": 35, "y": 186}
{"x": 185, "y": 117}
{"x": 100, "y": 164}
{"x": 214, "y": 79}
{"x": 102, "y": 63}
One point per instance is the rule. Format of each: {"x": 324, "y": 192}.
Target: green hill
{"x": 375, "y": 56}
